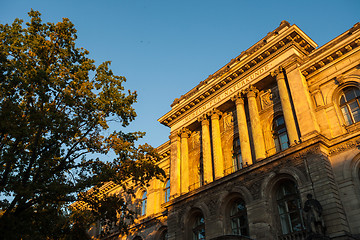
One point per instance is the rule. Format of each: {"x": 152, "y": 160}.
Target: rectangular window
{"x": 346, "y": 114}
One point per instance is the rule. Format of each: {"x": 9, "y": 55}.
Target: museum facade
{"x": 265, "y": 148}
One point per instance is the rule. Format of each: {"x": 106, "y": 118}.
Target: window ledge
{"x": 353, "y": 127}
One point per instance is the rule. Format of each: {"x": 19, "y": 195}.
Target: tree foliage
{"x": 53, "y": 120}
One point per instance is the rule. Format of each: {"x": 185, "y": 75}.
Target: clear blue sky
{"x": 164, "y": 47}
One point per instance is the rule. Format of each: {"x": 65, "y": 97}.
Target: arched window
{"x": 280, "y": 134}
{"x": 143, "y": 203}
{"x": 349, "y": 105}
{"x": 289, "y": 207}
{"x": 198, "y": 227}
{"x": 167, "y": 191}
{"x": 237, "y": 159}
{"x": 238, "y": 218}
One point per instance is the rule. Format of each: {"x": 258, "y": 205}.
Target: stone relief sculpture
{"x": 314, "y": 221}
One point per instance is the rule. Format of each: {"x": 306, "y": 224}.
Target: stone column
{"x": 286, "y": 106}
{"x": 184, "y": 134}
{"x": 216, "y": 142}
{"x": 175, "y": 167}
{"x": 243, "y": 129}
{"x": 257, "y": 134}
{"x": 206, "y": 149}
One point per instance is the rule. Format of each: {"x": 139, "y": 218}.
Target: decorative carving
{"x": 184, "y": 133}
{"x": 195, "y": 139}
{"x": 348, "y": 47}
{"x": 251, "y": 91}
{"x": 266, "y": 99}
{"x": 343, "y": 147}
{"x": 229, "y": 121}
{"x": 339, "y": 80}
{"x": 203, "y": 119}
{"x": 315, "y": 226}
{"x": 215, "y": 113}
{"x": 277, "y": 71}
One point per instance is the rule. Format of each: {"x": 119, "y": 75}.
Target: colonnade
{"x": 213, "y": 159}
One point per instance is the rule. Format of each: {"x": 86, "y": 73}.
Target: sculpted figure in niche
{"x": 313, "y": 216}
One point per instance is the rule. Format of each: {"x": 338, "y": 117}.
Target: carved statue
{"x": 313, "y": 216}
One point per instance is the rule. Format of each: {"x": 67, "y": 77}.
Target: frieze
{"x": 345, "y": 146}
{"x": 302, "y": 154}
{"x": 227, "y": 94}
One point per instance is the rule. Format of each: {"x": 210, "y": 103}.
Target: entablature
{"x": 249, "y": 62}
{"x": 332, "y": 52}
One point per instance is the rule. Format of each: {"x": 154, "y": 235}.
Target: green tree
{"x": 53, "y": 120}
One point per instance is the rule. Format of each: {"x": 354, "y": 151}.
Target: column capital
{"x": 251, "y": 91}
{"x": 278, "y": 73}
{"x": 184, "y": 133}
{"x": 238, "y": 98}
{"x": 215, "y": 113}
{"x": 203, "y": 119}
{"x": 174, "y": 136}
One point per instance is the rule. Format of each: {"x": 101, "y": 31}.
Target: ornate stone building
{"x": 248, "y": 144}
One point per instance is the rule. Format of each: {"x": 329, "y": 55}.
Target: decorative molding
{"x": 345, "y": 146}
{"x": 238, "y": 68}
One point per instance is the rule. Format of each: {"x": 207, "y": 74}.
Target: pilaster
{"x": 304, "y": 107}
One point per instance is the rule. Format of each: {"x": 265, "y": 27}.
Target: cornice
{"x": 332, "y": 52}
{"x": 164, "y": 150}
{"x": 238, "y": 68}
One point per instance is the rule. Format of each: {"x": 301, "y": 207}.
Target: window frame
{"x": 279, "y": 131}
{"x": 345, "y": 105}
{"x": 237, "y": 216}
{"x": 198, "y": 226}
{"x": 236, "y": 155}
{"x": 143, "y": 203}
{"x": 288, "y": 201}
{"x": 167, "y": 191}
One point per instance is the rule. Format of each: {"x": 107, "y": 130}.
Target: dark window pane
{"x": 346, "y": 114}
{"x": 350, "y": 94}
{"x": 288, "y": 202}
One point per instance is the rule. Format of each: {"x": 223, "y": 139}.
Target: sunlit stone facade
{"x": 247, "y": 145}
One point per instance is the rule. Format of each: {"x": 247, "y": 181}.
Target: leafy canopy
{"x": 53, "y": 118}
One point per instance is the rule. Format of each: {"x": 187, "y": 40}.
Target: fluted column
{"x": 175, "y": 167}
{"x": 184, "y": 135}
{"x": 286, "y": 106}
{"x": 243, "y": 129}
{"x": 206, "y": 148}
{"x": 216, "y": 143}
{"x": 257, "y": 134}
